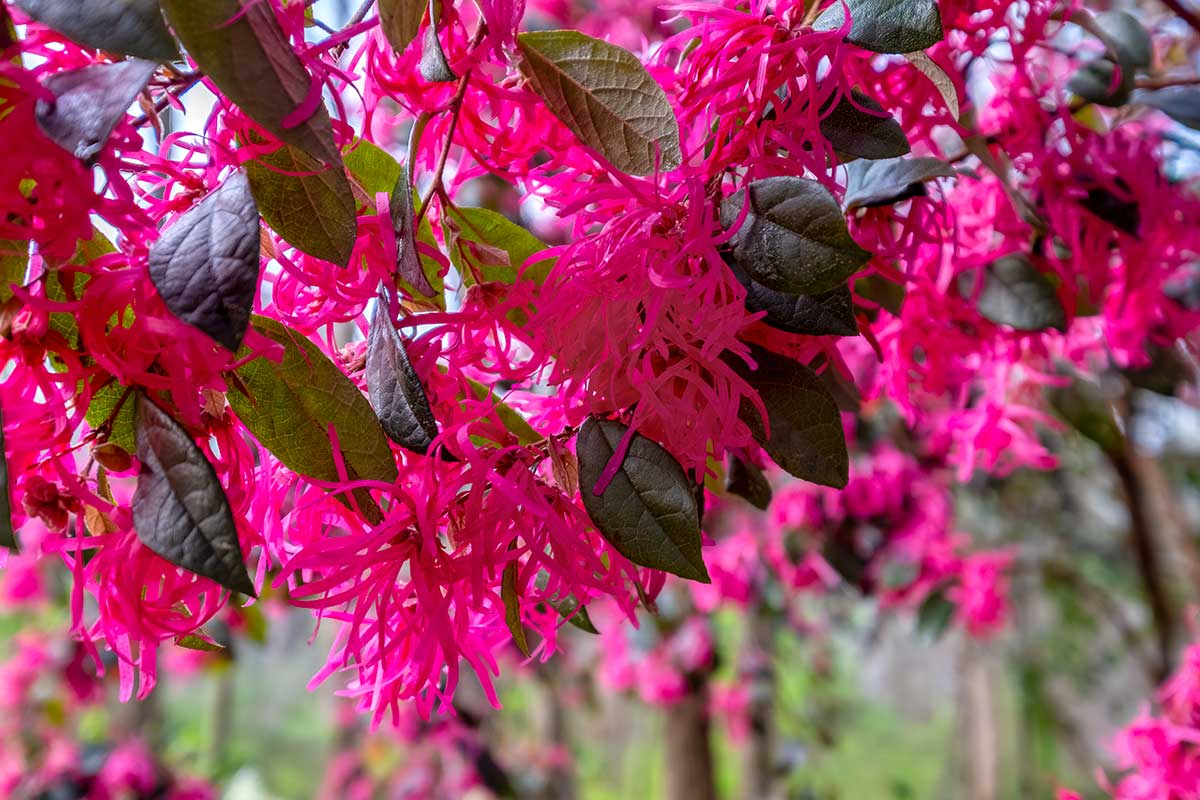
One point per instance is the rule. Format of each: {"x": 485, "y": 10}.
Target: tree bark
{"x": 689, "y": 767}
{"x": 757, "y": 671}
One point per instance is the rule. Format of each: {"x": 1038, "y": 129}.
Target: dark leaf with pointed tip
{"x": 245, "y": 52}
{"x": 1017, "y": 294}
{"x": 568, "y": 607}
{"x": 8, "y": 536}
{"x": 1120, "y": 212}
{"x": 179, "y": 508}
{"x": 605, "y": 96}
{"x": 870, "y": 184}
{"x": 935, "y": 614}
{"x": 132, "y": 27}
{"x": 886, "y": 26}
{"x": 1103, "y": 82}
{"x": 89, "y": 102}
{"x": 310, "y": 205}
{"x": 434, "y": 66}
{"x": 206, "y": 265}
{"x": 395, "y": 389}
{"x": 511, "y": 595}
{"x": 806, "y": 437}
{"x": 1129, "y": 37}
{"x": 794, "y": 238}
{"x": 830, "y": 313}
{"x": 1180, "y": 103}
{"x": 408, "y": 261}
{"x": 1082, "y": 404}
{"x": 747, "y": 481}
{"x": 648, "y": 511}
{"x": 859, "y": 127}
{"x": 401, "y": 21}
{"x": 292, "y": 405}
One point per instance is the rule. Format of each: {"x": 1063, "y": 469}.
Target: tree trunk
{"x": 689, "y": 767}
{"x": 757, "y": 671}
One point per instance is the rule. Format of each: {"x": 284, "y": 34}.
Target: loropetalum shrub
{"x": 304, "y": 349}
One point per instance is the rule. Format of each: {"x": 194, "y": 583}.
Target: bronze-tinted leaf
{"x": 400, "y": 21}
{"x": 605, "y": 96}
{"x": 179, "y": 507}
{"x": 206, "y": 265}
{"x": 244, "y": 51}
{"x": 310, "y": 205}
{"x": 648, "y": 511}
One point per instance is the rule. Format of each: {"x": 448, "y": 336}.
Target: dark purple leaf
{"x": 394, "y": 387}
{"x": 648, "y": 510}
{"x": 747, "y": 481}
{"x": 870, "y": 184}
{"x": 859, "y": 127}
{"x": 89, "y": 102}
{"x": 1015, "y": 293}
{"x": 244, "y": 51}
{"x": 1180, "y": 103}
{"x": 433, "y": 66}
{"x": 830, "y": 313}
{"x": 206, "y": 264}
{"x": 794, "y": 237}
{"x": 408, "y": 261}
{"x": 805, "y": 435}
{"x": 179, "y": 508}
{"x": 886, "y": 26}
{"x": 132, "y": 27}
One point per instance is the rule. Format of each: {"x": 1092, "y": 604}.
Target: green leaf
{"x": 373, "y": 167}
{"x": 1103, "y": 82}
{"x": 65, "y": 284}
{"x": 794, "y": 238}
{"x": 101, "y": 407}
{"x": 806, "y": 437}
{"x": 1016, "y": 294}
{"x": 935, "y": 613}
{"x": 886, "y": 26}
{"x": 747, "y": 481}
{"x": 859, "y": 127}
{"x": 400, "y": 21}
{"x": 495, "y": 246}
{"x": 377, "y": 171}
{"x": 870, "y": 184}
{"x": 1180, "y": 103}
{"x": 133, "y": 27}
{"x": 511, "y": 596}
{"x": 244, "y": 51}
{"x": 516, "y": 424}
{"x": 293, "y": 403}
{"x": 648, "y": 511}
{"x": 1083, "y": 406}
{"x": 307, "y": 203}
{"x": 605, "y": 96}
{"x": 194, "y": 642}
{"x": 8, "y": 536}
{"x": 14, "y": 262}
{"x": 180, "y": 510}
